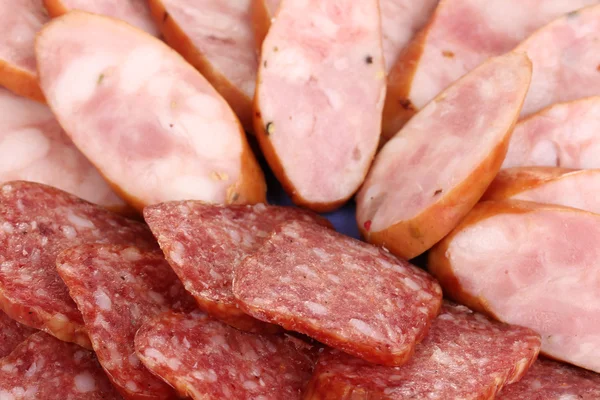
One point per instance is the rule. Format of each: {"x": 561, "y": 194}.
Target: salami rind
{"x": 149, "y": 121}
{"x": 117, "y": 288}
{"x": 37, "y": 222}
{"x": 11, "y": 334}
{"x": 529, "y": 264}
{"x": 428, "y": 177}
{"x": 206, "y": 359}
{"x": 345, "y": 293}
{"x": 43, "y": 367}
{"x": 550, "y": 380}
{"x": 465, "y": 356}
{"x": 205, "y": 244}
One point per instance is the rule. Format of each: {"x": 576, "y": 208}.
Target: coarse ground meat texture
{"x": 11, "y": 334}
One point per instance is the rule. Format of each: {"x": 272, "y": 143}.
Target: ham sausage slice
{"x": 135, "y": 12}
{"x": 19, "y": 23}
{"x": 431, "y": 174}
{"x": 461, "y": 35}
{"x": 149, "y": 121}
{"x": 564, "y": 135}
{"x": 319, "y": 132}
{"x": 12, "y": 334}
{"x": 532, "y": 265}
{"x": 565, "y": 187}
{"x": 34, "y": 147}
{"x": 263, "y": 13}
{"x": 216, "y": 37}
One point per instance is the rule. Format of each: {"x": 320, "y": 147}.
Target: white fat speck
{"x": 6, "y": 396}
{"x": 440, "y": 357}
{"x": 80, "y": 221}
{"x": 44, "y": 241}
{"x": 290, "y": 232}
{"x": 364, "y": 328}
{"x": 6, "y": 189}
{"x": 133, "y": 360}
{"x": 7, "y": 227}
{"x": 411, "y": 284}
{"x": 102, "y": 300}
{"x": 160, "y": 358}
{"x": 131, "y": 254}
{"x": 334, "y": 278}
{"x": 69, "y": 232}
{"x": 131, "y": 386}
{"x": 260, "y": 207}
{"x": 208, "y": 375}
{"x": 10, "y": 368}
{"x": 177, "y": 252}
{"x": 250, "y": 385}
{"x": 316, "y": 308}
{"x": 322, "y": 254}
{"x": 234, "y": 235}
{"x": 156, "y": 297}
{"x": 85, "y": 382}
{"x": 186, "y": 343}
{"x": 306, "y": 270}
{"x": 285, "y": 279}
{"x": 214, "y": 274}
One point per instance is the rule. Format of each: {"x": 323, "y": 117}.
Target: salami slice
{"x": 343, "y": 292}
{"x": 135, "y": 12}
{"x": 563, "y": 135}
{"x": 550, "y": 380}
{"x": 205, "y": 244}
{"x": 206, "y": 359}
{"x": 11, "y": 334}
{"x": 319, "y": 132}
{"x": 117, "y": 288}
{"x": 565, "y": 187}
{"x": 19, "y": 23}
{"x": 217, "y": 38}
{"x": 533, "y": 265}
{"x": 428, "y": 177}
{"x": 45, "y": 368}
{"x": 151, "y": 124}
{"x": 465, "y": 356}
{"x": 36, "y": 223}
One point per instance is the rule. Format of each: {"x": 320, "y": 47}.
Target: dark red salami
{"x": 205, "y": 244}
{"x": 551, "y": 380}
{"x": 345, "y": 293}
{"x": 117, "y": 288}
{"x": 45, "y": 368}
{"x": 465, "y": 356}
{"x": 206, "y": 359}
{"x": 36, "y": 223}
{"x": 11, "y": 334}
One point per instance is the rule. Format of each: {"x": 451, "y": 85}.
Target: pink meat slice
{"x": 551, "y": 380}
{"x": 206, "y": 359}
{"x": 345, "y": 293}
{"x": 563, "y": 135}
{"x": 465, "y": 356}
{"x": 118, "y": 288}
{"x": 43, "y": 367}
{"x": 205, "y": 244}
{"x": 37, "y": 222}
{"x": 11, "y": 334}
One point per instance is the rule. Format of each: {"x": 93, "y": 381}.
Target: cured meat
{"x": 45, "y": 368}
{"x": 205, "y": 245}
{"x": 565, "y": 60}
{"x": 150, "y": 122}
{"x": 34, "y": 147}
{"x": 533, "y": 265}
{"x": 426, "y": 179}
{"x": 461, "y": 35}
{"x": 263, "y": 13}
{"x": 318, "y": 132}
{"x": 117, "y": 288}
{"x": 564, "y": 135}
{"x": 340, "y": 291}
{"x": 37, "y": 222}
{"x": 216, "y": 37}
{"x": 19, "y": 23}
{"x": 565, "y": 187}
{"x": 11, "y": 334}
{"x": 549, "y": 380}
{"x": 135, "y": 12}
{"x": 205, "y": 359}
{"x": 464, "y": 356}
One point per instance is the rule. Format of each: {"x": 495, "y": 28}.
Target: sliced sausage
{"x": 343, "y": 292}
{"x": 565, "y": 187}
{"x": 319, "y": 132}
{"x": 465, "y": 356}
{"x": 148, "y": 120}
{"x": 205, "y": 245}
{"x": 118, "y": 288}
{"x": 206, "y": 359}
{"x": 429, "y": 176}
{"x": 461, "y": 35}
{"x": 12, "y": 334}
{"x": 263, "y": 13}
{"x": 533, "y": 265}
{"x": 19, "y": 23}
{"x": 37, "y": 222}
{"x": 563, "y": 135}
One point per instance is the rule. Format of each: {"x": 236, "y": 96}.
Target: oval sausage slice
{"x": 216, "y": 37}
{"x": 318, "y": 131}
{"x": 563, "y": 135}
{"x": 433, "y": 172}
{"x": 150, "y": 123}
{"x": 533, "y": 265}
